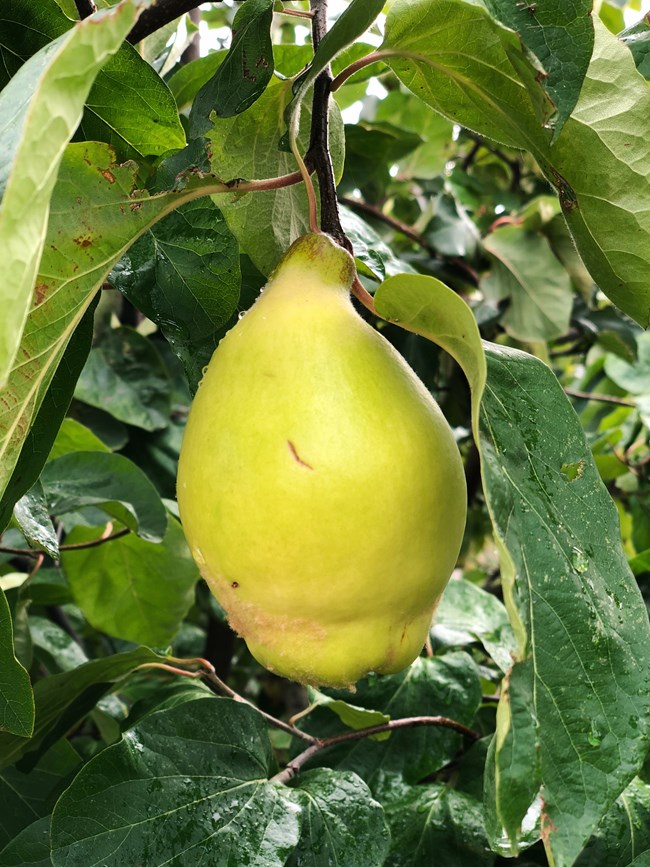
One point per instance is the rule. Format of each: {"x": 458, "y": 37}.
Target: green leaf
{"x": 426, "y": 306}
{"x": 435, "y": 824}
{"x": 125, "y": 376}
{"x": 75, "y": 437}
{"x": 351, "y": 715}
{"x": 186, "y": 785}
{"x": 466, "y": 613}
{"x": 637, "y": 39}
{"x": 38, "y": 442}
{"x": 561, "y": 35}
{"x": 189, "y": 78}
{"x": 245, "y": 71}
{"x": 110, "y": 482}
{"x": 64, "y": 700}
{"x": 97, "y": 212}
{"x": 42, "y": 106}
{"x": 447, "y": 686}
{"x": 603, "y": 154}
{"x": 624, "y": 833}
{"x": 374, "y": 258}
{"x": 340, "y": 821}
{"x": 248, "y": 146}
{"x": 53, "y": 645}
{"x": 526, "y": 272}
{"x": 584, "y": 682}
{"x": 34, "y": 520}
{"x": 184, "y": 275}
{"x": 130, "y": 588}
{"x": 129, "y": 106}
{"x": 30, "y": 848}
{"x": 32, "y": 795}
{"x": 459, "y": 60}
{"x": 16, "y": 699}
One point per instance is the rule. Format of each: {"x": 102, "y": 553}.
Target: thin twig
{"x": 298, "y": 13}
{"x": 78, "y": 546}
{"x": 85, "y": 8}
{"x": 344, "y": 74}
{"x": 294, "y": 766}
{"x": 603, "y": 398}
{"x": 361, "y": 294}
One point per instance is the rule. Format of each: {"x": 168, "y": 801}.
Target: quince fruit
{"x": 320, "y": 487}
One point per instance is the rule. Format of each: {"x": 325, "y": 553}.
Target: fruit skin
{"x": 319, "y": 485}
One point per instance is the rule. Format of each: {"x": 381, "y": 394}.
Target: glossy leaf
{"x": 16, "y": 699}
{"x": 435, "y": 824}
{"x": 467, "y": 613}
{"x": 624, "y": 833}
{"x": 30, "y": 848}
{"x": 42, "y": 105}
{"x": 248, "y": 146}
{"x": 527, "y": 274}
{"x": 446, "y": 686}
{"x": 110, "y": 482}
{"x": 64, "y": 700}
{"x": 34, "y": 520}
{"x": 561, "y": 35}
{"x": 341, "y": 823}
{"x": 97, "y": 212}
{"x": 184, "y": 274}
{"x": 585, "y": 639}
{"x": 244, "y": 73}
{"x": 38, "y": 442}
{"x": 131, "y": 588}
{"x": 126, "y": 377}
{"x": 128, "y": 106}
{"x": 186, "y": 784}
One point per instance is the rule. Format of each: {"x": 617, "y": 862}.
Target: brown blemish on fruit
{"x": 235, "y": 585}
{"x": 297, "y": 457}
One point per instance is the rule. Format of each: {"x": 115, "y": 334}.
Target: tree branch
{"x": 157, "y": 16}
{"x": 318, "y": 155}
{"x": 85, "y": 8}
{"x": 294, "y": 767}
{"x": 603, "y": 398}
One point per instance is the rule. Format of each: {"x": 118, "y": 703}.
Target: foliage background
{"x": 127, "y": 257}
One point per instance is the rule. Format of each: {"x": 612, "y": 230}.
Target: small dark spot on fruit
{"x": 235, "y": 585}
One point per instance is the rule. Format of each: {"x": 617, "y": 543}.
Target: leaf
{"x": 110, "y": 482}
{"x": 75, "y": 437}
{"x": 447, "y": 686}
{"x": 38, "y": 442}
{"x": 130, "y": 588}
{"x": 184, "y": 275}
{"x": 34, "y": 520}
{"x": 435, "y": 824}
{"x": 373, "y": 256}
{"x": 581, "y": 622}
{"x": 624, "y": 833}
{"x": 30, "y": 848}
{"x": 340, "y": 821}
{"x": 97, "y": 212}
{"x": 185, "y": 785}
{"x": 603, "y": 155}
{"x": 16, "y": 699}
{"x": 459, "y": 60}
{"x": 129, "y": 106}
{"x": 42, "y": 105}
{"x": 637, "y": 39}
{"x": 32, "y": 794}
{"x": 125, "y": 376}
{"x": 248, "y": 146}
{"x": 426, "y": 306}
{"x": 561, "y": 35}
{"x": 527, "y": 273}
{"x": 189, "y": 78}
{"x": 467, "y": 613}
{"x": 60, "y": 651}
{"x": 351, "y": 715}
{"x": 63, "y": 700}
{"x": 245, "y": 71}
